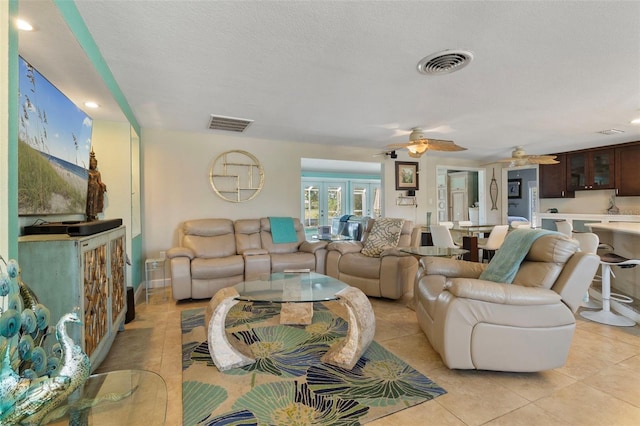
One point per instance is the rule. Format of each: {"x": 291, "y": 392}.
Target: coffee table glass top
{"x": 290, "y": 287}
{"x": 434, "y": 251}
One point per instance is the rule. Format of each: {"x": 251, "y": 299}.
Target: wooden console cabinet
{"x": 85, "y": 273}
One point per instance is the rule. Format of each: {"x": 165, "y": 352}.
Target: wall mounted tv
{"x": 54, "y": 142}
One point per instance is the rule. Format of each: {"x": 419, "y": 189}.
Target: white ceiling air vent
{"x": 444, "y": 62}
{"x": 611, "y": 131}
{"x": 230, "y": 124}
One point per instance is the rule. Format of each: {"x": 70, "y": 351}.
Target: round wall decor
{"x": 236, "y": 176}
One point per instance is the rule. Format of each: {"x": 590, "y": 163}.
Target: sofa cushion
{"x": 202, "y": 268}
{"x": 384, "y": 234}
{"x": 247, "y": 235}
{"x": 211, "y": 247}
{"x": 545, "y": 261}
{"x": 359, "y": 265}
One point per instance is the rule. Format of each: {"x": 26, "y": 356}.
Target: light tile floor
{"x": 599, "y": 385}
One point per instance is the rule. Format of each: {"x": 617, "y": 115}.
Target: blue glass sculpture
{"x": 33, "y": 381}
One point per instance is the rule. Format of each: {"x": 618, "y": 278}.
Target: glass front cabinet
{"x": 590, "y": 170}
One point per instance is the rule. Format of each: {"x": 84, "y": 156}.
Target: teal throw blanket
{"x": 505, "y": 264}
{"x": 282, "y": 230}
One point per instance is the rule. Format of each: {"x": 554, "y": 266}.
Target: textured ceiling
{"x": 546, "y": 75}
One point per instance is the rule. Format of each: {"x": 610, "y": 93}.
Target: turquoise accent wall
{"x": 137, "y": 262}
{"x": 12, "y": 157}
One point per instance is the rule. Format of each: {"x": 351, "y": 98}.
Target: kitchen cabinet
{"x": 591, "y": 169}
{"x": 84, "y": 273}
{"x": 627, "y": 176}
{"x": 553, "y": 179}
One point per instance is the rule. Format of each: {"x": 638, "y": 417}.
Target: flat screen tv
{"x": 54, "y": 142}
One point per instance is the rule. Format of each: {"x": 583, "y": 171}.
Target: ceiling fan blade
{"x": 443, "y": 145}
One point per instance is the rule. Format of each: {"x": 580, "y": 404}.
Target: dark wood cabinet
{"x": 591, "y": 169}
{"x": 627, "y": 174}
{"x": 553, "y": 179}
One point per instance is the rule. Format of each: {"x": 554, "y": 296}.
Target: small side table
{"x": 152, "y": 266}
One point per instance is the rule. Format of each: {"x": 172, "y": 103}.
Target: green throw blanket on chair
{"x": 505, "y": 264}
{"x": 283, "y": 230}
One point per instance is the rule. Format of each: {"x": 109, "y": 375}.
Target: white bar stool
{"x": 605, "y": 316}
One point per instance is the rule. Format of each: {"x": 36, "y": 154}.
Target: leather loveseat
{"x": 390, "y": 274}
{"x": 218, "y": 253}
{"x": 525, "y": 326}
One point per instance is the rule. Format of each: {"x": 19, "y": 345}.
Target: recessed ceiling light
{"x": 23, "y": 25}
{"x": 91, "y": 104}
{"x": 636, "y": 121}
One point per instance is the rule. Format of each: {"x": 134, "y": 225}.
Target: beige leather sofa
{"x": 525, "y": 326}
{"x": 391, "y": 275}
{"x": 218, "y": 253}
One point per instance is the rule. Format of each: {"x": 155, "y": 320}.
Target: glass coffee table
{"x": 434, "y": 251}
{"x": 123, "y": 397}
{"x": 295, "y": 292}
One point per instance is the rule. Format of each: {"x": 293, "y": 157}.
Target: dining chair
{"x": 564, "y": 227}
{"x": 493, "y": 242}
{"x": 441, "y": 236}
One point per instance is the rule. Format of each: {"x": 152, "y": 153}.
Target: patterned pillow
{"x": 384, "y": 234}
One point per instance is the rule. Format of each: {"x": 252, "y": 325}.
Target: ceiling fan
{"x": 520, "y": 158}
{"x": 418, "y": 144}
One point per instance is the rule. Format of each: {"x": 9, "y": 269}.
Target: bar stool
{"x": 605, "y": 316}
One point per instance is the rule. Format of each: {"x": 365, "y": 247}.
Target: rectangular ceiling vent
{"x": 611, "y": 131}
{"x": 230, "y": 124}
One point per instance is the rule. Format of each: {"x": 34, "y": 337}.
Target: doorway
{"x": 461, "y": 194}
{"x": 522, "y": 202}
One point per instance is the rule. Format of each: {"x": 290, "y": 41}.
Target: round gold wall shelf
{"x": 236, "y": 176}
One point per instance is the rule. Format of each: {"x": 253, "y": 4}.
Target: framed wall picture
{"x": 514, "y": 188}
{"x": 406, "y": 175}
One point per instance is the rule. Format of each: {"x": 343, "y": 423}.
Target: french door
{"x": 323, "y": 201}
{"x": 366, "y": 199}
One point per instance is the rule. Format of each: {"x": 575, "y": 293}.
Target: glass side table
{"x": 152, "y": 267}
{"x": 124, "y": 397}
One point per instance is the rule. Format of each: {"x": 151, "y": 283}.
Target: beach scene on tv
{"x": 54, "y": 142}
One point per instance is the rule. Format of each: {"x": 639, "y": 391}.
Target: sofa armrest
{"x": 312, "y": 246}
{"x": 394, "y": 252}
{"x": 345, "y": 247}
{"x": 504, "y": 294}
{"x": 180, "y": 252}
{"x": 451, "y": 268}
{"x": 254, "y": 252}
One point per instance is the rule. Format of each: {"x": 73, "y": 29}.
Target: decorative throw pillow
{"x": 384, "y": 234}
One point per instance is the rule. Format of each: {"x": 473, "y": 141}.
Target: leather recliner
{"x": 217, "y": 253}
{"x": 391, "y": 275}
{"x": 525, "y": 326}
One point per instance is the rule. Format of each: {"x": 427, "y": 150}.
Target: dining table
{"x": 470, "y": 234}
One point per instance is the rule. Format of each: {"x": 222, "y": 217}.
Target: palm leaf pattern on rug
{"x": 379, "y": 377}
{"x": 280, "y": 350}
{"x": 288, "y": 384}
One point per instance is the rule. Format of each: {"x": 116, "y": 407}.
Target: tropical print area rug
{"x": 289, "y": 384}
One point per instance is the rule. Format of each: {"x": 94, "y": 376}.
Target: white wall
{"x": 596, "y": 201}
{"x": 176, "y": 180}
